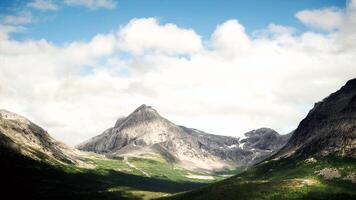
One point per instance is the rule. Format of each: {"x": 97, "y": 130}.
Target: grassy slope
{"x": 43, "y": 181}
{"x": 107, "y": 179}
{"x": 286, "y": 179}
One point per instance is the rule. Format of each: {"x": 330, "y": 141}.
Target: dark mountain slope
{"x": 318, "y": 162}
{"x": 329, "y": 128}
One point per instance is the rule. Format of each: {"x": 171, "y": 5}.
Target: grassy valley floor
{"x": 96, "y": 178}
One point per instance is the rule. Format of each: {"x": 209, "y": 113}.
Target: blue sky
{"x": 80, "y": 23}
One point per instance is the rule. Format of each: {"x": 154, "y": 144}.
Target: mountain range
{"x": 145, "y": 156}
{"x": 144, "y": 132}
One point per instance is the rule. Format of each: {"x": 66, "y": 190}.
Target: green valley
{"x": 97, "y": 177}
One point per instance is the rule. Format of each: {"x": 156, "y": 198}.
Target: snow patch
{"x": 241, "y": 145}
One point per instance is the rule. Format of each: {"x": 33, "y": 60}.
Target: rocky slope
{"x": 329, "y": 128}
{"x": 22, "y": 136}
{"x": 144, "y": 131}
{"x": 318, "y": 161}
{"x": 263, "y": 142}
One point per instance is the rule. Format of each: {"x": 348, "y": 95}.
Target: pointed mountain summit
{"x": 145, "y": 133}
{"x": 329, "y": 128}
{"x": 143, "y": 113}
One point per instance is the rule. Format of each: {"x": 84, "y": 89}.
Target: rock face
{"x": 144, "y": 131}
{"x": 263, "y": 143}
{"x": 22, "y": 136}
{"x": 329, "y": 128}
{"x": 265, "y": 139}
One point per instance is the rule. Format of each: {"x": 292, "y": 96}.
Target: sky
{"x": 224, "y": 67}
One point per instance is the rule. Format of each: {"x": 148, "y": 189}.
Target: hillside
{"x": 25, "y": 137}
{"x": 318, "y": 162}
{"x": 329, "y": 128}
{"x": 312, "y": 178}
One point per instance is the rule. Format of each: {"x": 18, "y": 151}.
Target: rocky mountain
{"x": 22, "y": 136}
{"x": 263, "y": 143}
{"x": 329, "y": 128}
{"x": 264, "y": 139}
{"x": 145, "y": 132}
{"x": 321, "y": 153}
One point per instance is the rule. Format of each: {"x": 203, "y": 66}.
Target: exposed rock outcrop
{"x": 21, "y": 135}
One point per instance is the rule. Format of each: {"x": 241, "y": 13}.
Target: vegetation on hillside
{"x": 285, "y": 179}
{"x": 101, "y": 178}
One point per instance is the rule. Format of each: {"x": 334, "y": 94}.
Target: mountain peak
{"x": 140, "y": 114}
{"x": 143, "y": 107}
{"x": 329, "y": 128}
{"x": 144, "y": 112}
{"x": 351, "y": 83}
{"x": 261, "y": 131}
{"x": 348, "y": 88}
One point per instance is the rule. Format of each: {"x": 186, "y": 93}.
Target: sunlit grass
{"x": 141, "y": 194}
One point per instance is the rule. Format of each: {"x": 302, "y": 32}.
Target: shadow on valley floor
{"x": 25, "y": 178}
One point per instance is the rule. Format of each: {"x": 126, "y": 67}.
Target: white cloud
{"x": 326, "y": 19}
{"x": 5, "y": 30}
{"x": 231, "y": 39}
{"x": 92, "y": 4}
{"x": 280, "y": 30}
{"x": 229, "y": 84}
{"x": 24, "y": 17}
{"x": 44, "y": 5}
{"x": 147, "y": 35}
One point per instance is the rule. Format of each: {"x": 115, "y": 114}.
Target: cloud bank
{"x": 227, "y": 84}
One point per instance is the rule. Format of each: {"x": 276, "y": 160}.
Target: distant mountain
{"x": 20, "y": 135}
{"x": 329, "y": 128}
{"x": 263, "y": 143}
{"x": 144, "y": 132}
{"x": 264, "y": 139}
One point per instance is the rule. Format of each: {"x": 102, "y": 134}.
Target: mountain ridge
{"x": 21, "y": 135}
{"x": 328, "y": 128}
{"x": 145, "y": 128}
